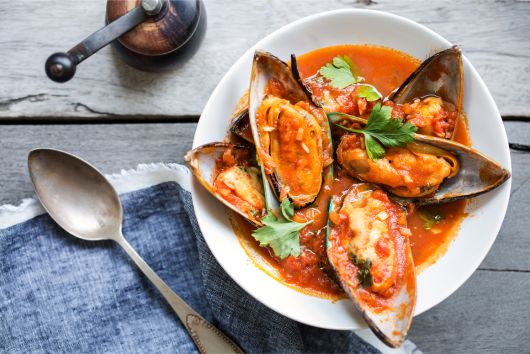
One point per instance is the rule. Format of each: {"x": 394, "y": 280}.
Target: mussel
{"x": 436, "y": 87}
{"x": 228, "y": 172}
{"x": 290, "y": 134}
{"x": 430, "y": 98}
{"x": 430, "y": 170}
{"x": 367, "y": 245}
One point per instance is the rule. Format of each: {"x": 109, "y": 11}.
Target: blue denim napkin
{"x": 59, "y": 294}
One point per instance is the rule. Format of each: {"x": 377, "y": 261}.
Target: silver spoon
{"x": 81, "y": 200}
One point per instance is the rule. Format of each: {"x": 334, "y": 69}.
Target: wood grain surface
{"x": 107, "y": 146}
{"x": 480, "y": 317}
{"x": 493, "y": 35}
{"x": 488, "y": 314}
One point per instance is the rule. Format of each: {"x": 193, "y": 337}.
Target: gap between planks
{"x": 114, "y": 119}
{"x": 164, "y": 119}
{"x": 503, "y": 270}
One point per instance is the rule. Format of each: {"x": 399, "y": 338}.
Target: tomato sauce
{"x": 311, "y": 272}
{"x": 384, "y": 68}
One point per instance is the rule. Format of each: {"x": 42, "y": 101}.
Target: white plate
{"x": 478, "y": 232}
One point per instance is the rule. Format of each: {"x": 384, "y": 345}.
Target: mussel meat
{"x": 227, "y": 171}
{"x": 411, "y": 171}
{"x": 290, "y": 134}
{"x": 367, "y": 245}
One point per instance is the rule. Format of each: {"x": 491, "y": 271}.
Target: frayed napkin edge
{"x": 127, "y": 180}
{"x": 147, "y": 175}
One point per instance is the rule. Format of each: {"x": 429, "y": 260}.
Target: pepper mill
{"x": 149, "y": 35}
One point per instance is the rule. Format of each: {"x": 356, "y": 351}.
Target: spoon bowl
{"x": 84, "y": 203}
{"x": 76, "y": 195}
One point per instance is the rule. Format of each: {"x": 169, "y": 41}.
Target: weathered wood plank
{"x": 517, "y": 132}
{"x": 494, "y": 35}
{"x": 109, "y": 147}
{"x": 488, "y": 314}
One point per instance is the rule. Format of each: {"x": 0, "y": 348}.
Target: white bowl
{"x": 477, "y": 233}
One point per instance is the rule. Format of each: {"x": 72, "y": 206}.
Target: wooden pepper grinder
{"x": 152, "y": 35}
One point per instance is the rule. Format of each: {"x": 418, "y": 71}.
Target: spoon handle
{"x": 207, "y": 337}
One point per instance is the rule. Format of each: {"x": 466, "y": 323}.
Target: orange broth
{"x": 311, "y": 273}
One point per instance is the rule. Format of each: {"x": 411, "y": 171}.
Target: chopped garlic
{"x": 435, "y": 231}
{"x": 229, "y": 183}
{"x": 306, "y": 149}
{"x": 284, "y": 192}
{"x": 224, "y": 191}
{"x": 405, "y": 231}
{"x": 300, "y": 134}
{"x": 382, "y": 216}
{"x": 408, "y": 179}
{"x": 268, "y": 129}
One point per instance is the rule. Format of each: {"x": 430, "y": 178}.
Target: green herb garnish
{"x": 430, "y": 219}
{"x": 382, "y": 130}
{"x": 340, "y": 72}
{"x": 287, "y": 209}
{"x": 281, "y": 234}
{"x": 368, "y": 92}
{"x": 364, "y": 276}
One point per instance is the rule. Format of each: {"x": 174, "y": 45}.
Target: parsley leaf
{"x": 383, "y": 130}
{"x": 373, "y": 148}
{"x": 368, "y": 92}
{"x": 430, "y": 219}
{"x": 339, "y": 72}
{"x": 364, "y": 275}
{"x": 389, "y": 132}
{"x": 287, "y": 209}
{"x": 281, "y": 235}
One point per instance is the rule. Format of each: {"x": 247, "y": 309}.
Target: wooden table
{"x": 117, "y": 117}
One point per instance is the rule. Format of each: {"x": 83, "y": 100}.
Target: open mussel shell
{"x": 477, "y": 173}
{"x": 440, "y": 75}
{"x": 296, "y": 74}
{"x": 240, "y": 126}
{"x": 386, "y": 304}
{"x": 202, "y": 162}
{"x": 267, "y": 69}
